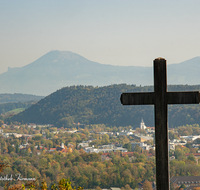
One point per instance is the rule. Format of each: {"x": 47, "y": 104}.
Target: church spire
{"x": 142, "y": 124}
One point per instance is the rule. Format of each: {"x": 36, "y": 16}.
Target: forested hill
{"x": 18, "y": 97}
{"x": 101, "y": 105}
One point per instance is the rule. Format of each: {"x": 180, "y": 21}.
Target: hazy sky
{"x": 116, "y": 32}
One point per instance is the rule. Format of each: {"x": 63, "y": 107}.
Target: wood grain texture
{"x": 161, "y": 125}
{"x": 183, "y": 97}
{"x": 146, "y": 98}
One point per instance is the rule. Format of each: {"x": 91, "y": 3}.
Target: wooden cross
{"x": 161, "y": 98}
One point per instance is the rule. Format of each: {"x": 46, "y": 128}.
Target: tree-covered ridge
{"x": 11, "y": 106}
{"x": 17, "y": 97}
{"x": 96, "y": 105}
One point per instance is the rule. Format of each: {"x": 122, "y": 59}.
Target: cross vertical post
{"x": 161, "y": 124}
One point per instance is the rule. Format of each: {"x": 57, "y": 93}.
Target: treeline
{"x": 11, "y": 106}
{"x": 17, "y": 97}
{"x": 97, "y": 105}
{"x": 86, "y": 170}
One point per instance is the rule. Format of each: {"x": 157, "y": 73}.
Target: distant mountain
{"x": 186, "y": 72}
{"x": 16, "y": 97}
{"x": 58, "y": 69}
{"x": 101, "y": 105}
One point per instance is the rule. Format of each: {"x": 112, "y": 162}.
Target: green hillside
{"x": 94, "y": 105}
{"x": 15, "y": 107}
{"x": 17, "y": 97}
{"x": 16, "y": 111}
{"x": 13, "y": 112}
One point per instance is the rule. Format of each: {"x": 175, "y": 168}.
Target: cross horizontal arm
{"x": 144, "y": 98}
{"x": 183, "y": 97}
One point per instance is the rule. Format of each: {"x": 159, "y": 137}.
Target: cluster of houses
{"x": 140, "y": 139}
{"x": 105, "y": 149}
{"x": 62, "y": 148}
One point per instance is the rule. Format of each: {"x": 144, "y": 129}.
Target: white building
{"x": 177, "y": 142}
{"x": 142, "y": 125}
{"x": 190, "y": 138}
{"x": 105, "y": 150}
{"x": 171, "y": 146}
{"x": 140, "y": 144}
{"x": 125, "y": 133}
{"x": 62, "y": 145}
{"x": 83, "y": 145}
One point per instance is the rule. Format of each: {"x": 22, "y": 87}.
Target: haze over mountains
{"x": 58, "y": 69}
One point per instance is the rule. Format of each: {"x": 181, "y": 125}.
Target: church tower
{"x": 142, "y": 125}
{"x": 62, "y": 145}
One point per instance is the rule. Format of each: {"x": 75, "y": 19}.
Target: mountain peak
{"x": 190, "y": 62}
{"x": 56, "y": 56}
{"x": 63, "y": 55}
{"x": 57, "y": 69}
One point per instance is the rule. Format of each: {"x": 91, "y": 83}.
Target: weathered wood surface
{"x": 146, "y": 98}
{"x": 161, "y": 98}
{"x": 161, "y": 125}
{"x": 183, "y": 97}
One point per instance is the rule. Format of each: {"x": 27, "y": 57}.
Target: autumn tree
{"x": 192, "y": 158}
{"x": 196, "y": 188}
{"x": 127, "y": 187}
{"x": 147, "y": 185}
